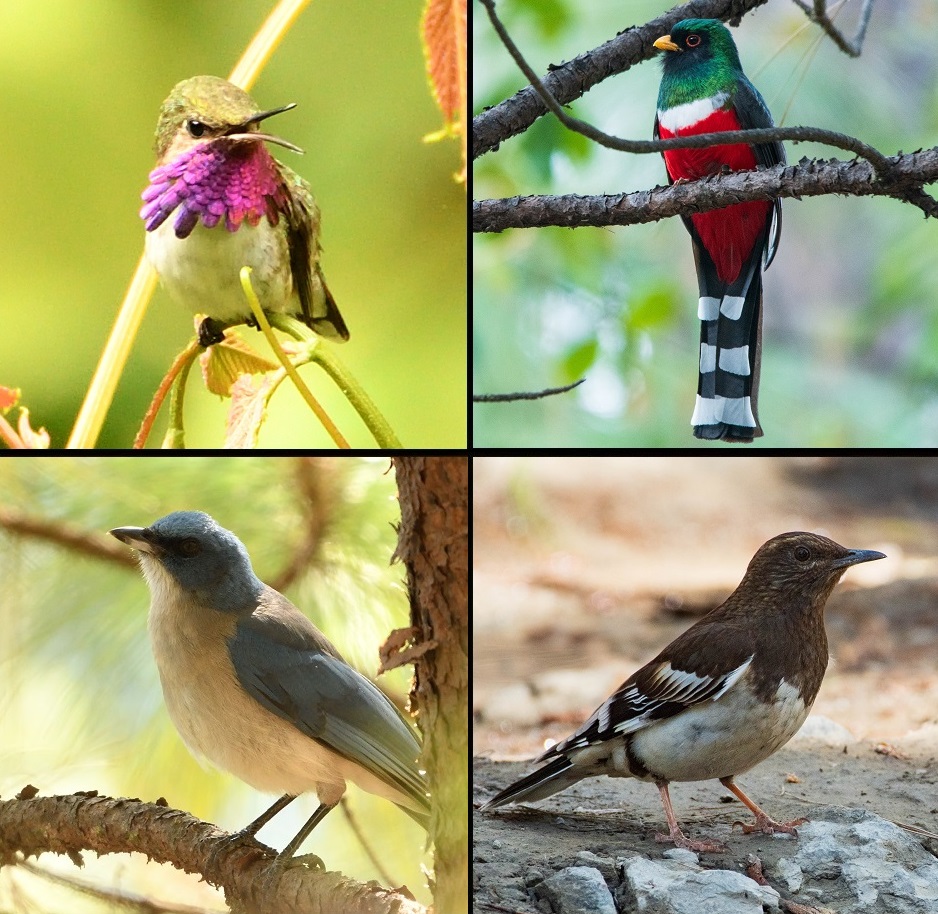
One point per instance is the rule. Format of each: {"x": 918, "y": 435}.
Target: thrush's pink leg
{"x": 764, "y": 823}
{"x": 674, "y": 831}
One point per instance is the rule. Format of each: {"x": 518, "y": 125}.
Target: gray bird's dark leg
{"x": 285, "y": 858}
{"x": 249, "y": 831}
{"x": 266, "y": 816}
{"x": 304, "y": 832}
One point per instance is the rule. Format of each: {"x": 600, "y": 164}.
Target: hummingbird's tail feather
{"x": 325, "y": 319}
{"x": 319, "y": 310}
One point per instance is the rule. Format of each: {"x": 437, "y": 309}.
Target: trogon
{"x": 704, "y": 90}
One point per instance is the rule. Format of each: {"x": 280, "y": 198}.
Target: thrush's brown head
{"x": 797, "y": 571}
{"x": 780, "y": 603}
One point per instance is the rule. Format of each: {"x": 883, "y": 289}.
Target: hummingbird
{"x": 704, "y": 90}
{"x": 218, "y": 201}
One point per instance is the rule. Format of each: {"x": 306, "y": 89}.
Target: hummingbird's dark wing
{"x": 320, "y": 311}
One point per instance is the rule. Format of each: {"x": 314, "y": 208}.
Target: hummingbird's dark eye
{"x": 692, "y": 41}
{"x": 196, "y": 128}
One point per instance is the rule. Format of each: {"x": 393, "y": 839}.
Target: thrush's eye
{"x": 802, "y": 553}
{"x": 190, "y": 547}
{"x": 692, "y": 41}
{"x": 196, "y": 128}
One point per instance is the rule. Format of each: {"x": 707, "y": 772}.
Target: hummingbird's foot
{"x": 211, "y": 332}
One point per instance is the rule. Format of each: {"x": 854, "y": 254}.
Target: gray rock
{"x": 682, "y": 887}
{"x": 532, "y": 876}
{"x": 682, "y": 855}
{"x": 822, "y": 729}
{"x": 862, "y": 863}
{"x": 789, "y": 873}
{"x": 577, "y": 890}
{"x": 605, "y": 865}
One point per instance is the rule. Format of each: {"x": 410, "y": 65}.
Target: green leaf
{"x": 653, "y": 306}
{"x": 579, "y": 360}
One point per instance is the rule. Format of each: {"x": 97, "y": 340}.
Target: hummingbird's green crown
{"x": 703, "y": 63}
{"x": 208, "y": 100}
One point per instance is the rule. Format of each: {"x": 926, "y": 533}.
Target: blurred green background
{"x": 82, "y": 86}
{"x": 850, "y": 349}
{"x": 80, "y": 700}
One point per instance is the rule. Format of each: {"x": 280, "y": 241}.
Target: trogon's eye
{"x": 692, "y": 41}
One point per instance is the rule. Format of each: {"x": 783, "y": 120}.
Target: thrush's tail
{"x": 553, "y": 777}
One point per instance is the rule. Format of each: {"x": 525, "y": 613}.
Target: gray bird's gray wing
{"x": 284, "y": 662}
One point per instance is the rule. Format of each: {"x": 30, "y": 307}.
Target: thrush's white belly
{"x": 202, "y": 271}
{"x": 717, "y": 739}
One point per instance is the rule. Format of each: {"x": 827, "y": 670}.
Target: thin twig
{"x": 363, "y": 841}
{"x": 573, "y": 79}
{"x": 765, "y": 135}
{"x": 817, "y": 13}
{"x": 525, "y": 395}
{"x": 115, "y": 899}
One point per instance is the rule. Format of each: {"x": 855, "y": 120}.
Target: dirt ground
{"x": 610, "y": 818}
{"x": 585, "y": 567}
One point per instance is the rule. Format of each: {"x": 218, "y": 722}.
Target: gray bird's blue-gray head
{"x": 187, "y": 553}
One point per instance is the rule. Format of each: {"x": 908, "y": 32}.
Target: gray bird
{"x": 254, "y": 687}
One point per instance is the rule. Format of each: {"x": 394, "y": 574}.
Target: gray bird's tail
{"x": 421, "y": 818}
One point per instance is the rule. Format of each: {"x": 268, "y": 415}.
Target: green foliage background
{"x": 80, "y": 700}
{"x": 82, "y": 85}
{"x": 850, "y": 354}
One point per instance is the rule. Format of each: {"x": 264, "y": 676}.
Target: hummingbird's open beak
{"x": 266, "y": 114}
{"x": 242, "y": 133}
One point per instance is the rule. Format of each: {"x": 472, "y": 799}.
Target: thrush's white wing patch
{"x": 719, "y": 738}
{"x": 630, "y": 708}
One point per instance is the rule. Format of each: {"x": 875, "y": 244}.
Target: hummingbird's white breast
{"x": 202, "y": 270}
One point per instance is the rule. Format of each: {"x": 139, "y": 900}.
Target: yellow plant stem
{"x": 325, "y": 357}
{"x": 265, "y": 42}
{"x": 184, "y": 359}
{"x": 175, "y": 438}
{"x": 293, "y": 374}
{"x": 116, "y": 352}
{"x": 100, "y": 393}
